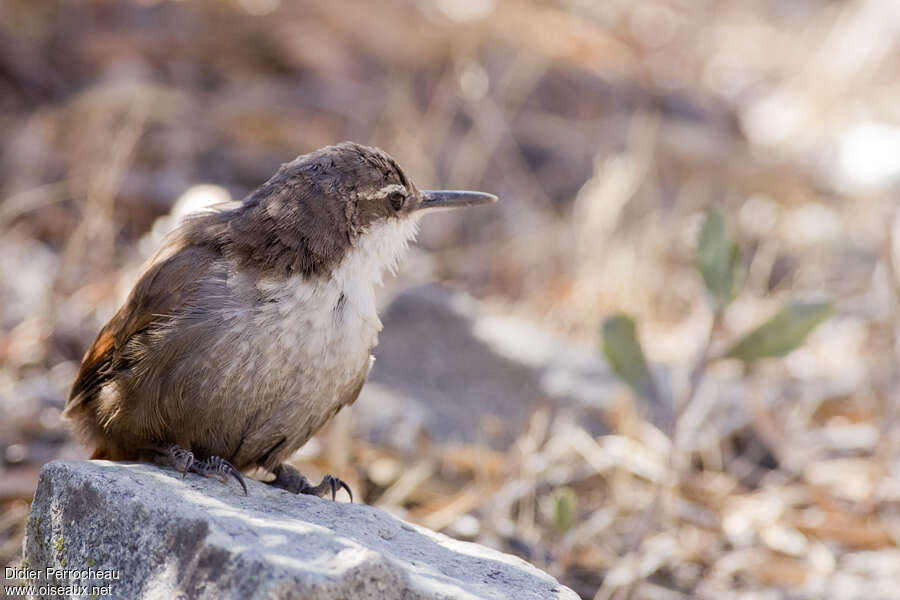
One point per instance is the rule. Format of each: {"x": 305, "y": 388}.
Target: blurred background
{"x": 608, "y": 128}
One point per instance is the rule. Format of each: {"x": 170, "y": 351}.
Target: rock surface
{"x": 168, "y": 537}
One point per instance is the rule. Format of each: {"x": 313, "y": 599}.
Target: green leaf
{"x": 718, "y": 260}
{"x": 782, "y": 333}
{"x": 566, "y": 509}
{"x": 623, "y": 351}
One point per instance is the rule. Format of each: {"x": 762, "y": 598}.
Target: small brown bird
{"x": 253, "y": 326}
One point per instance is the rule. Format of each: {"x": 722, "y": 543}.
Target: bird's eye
{"x": 397, "y": 200}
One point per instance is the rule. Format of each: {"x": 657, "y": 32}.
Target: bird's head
{"x": 337, "y": 202}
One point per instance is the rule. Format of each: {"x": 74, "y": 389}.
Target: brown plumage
{"x": 253, "y": 326}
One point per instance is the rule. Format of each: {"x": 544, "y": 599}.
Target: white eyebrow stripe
{"x": 390, "y": 189}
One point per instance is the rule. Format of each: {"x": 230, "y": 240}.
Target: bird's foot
{"x": 290, "y": 479}
{"x": 216, "y": 466}
{"x": 213, "y": 466}
{"x": 177, "y": 457}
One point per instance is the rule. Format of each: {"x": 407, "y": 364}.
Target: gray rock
{"x": 442, "y": 376}
{"x": 448, "y": 367}
{"x": 168, "y": 537}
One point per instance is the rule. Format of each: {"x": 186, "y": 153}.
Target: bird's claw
{"x": 184, "y": 461}
{"x": 335, "y": 484}
{"x": 216, "y": 466}
{"x": 288, "y": 478}
{"x": 177, "y": 457}
{"x": 184, "y": 458}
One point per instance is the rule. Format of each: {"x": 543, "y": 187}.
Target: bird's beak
{"x": 435, "y": 200}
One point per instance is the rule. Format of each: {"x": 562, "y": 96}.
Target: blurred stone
{"x": 867, "y": 158}
{"x": 445, "y": 367}
{"x": 162, "y": 536}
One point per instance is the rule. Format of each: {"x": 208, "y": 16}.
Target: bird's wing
{"x": 164, "y": 289}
